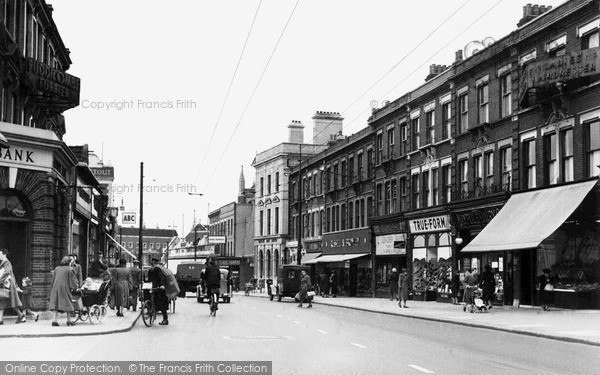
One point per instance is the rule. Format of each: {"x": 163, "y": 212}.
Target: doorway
{"x": 14, "y": 237}
{"x": 527, "y": 267}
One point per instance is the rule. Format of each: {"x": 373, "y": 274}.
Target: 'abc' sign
{"x": 128, "y": 218}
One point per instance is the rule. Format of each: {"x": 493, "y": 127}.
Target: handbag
{"x": 4, "y": 293}
{"x": 311, "y": 293}
{"x": 549, "y": 287}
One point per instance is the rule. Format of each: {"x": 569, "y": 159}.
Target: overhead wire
{"x": 228, "y": 91}
{"x": 252, "y": 95}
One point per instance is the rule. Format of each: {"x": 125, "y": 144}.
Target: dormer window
{"x": 556, "y": 47}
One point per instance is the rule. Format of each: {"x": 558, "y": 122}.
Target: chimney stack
{"x": 434, "y": 70}
{"x": 458, "y": 56}
{"x": 296, "y": 132}
{"x": 326, "y": 124}
{"x": 532, "y": 11}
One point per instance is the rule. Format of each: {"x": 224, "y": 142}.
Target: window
{"x": 394, "y": 197}
{"x": 151, "y": 245}
{"x": 336, "y": 173}
{"x": 463, "y": 113}
{"x": 359, "y": 166}
{"x": 131, "y": 245}
{"x": 370, "y": 163}
{"x": 589, "y": 34}
{"x": 429, "y": 127}
{"x": 379, "y": 156}
{"x": 463, "y": 172}
{"x": 337, "y": 218}
{"x": 506, "y": 166}
{"x": 567, "y": 155}
{"x": 260, "y": 223}
{"x": 343, "y": 218}
{"x": 391, "y": 141}
{"x": 363, "y": 212}
{"x": 269, "y": 184}
{"x": 446, "y": 122}
{"x": 262, "y": 186}
{"x": 344, "y": 173}
{"x": 483, "y": 103}
{"x": 164, "y": 245}
{"x": 426, "y": 190}
{"x": 328, "y": 220}
{"x": 403, "y": 194}
{"x": 478, "y": 171}
{"x": 329, "y": 178}
{"x": 357, "y": 214}
{"x": 144, "y": 245}
{"x": 369, "y": 210}
{"x": 388, "y": 197}
{"x": 313, "y": 224}
{"x": 415, "y": 191}
{"x": 268, "y": 221}
{"x": 404, "y": 139}
{"x": 489, "y": 169}
{"x": 556, "y": 47}
{"x": 593, "y": 148}
{"x": 529, "y": 163}
{"x": 434, "y": 187}
{"x": 350, "y": 215}
{"x": 415, "y": 128}
{"x": 447, "y": 183}
{"x": 552, "y": 158}
{"x": 276, "y": 219}
{"x": 505, "y": 95}
{"x": 379, "y": 198}
{"x": 351, "y": 169}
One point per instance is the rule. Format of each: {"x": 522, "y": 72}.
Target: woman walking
{"x": 403, "y": 289}
{"x": 305, "y": 285}
{"x": 488, "y": 286}
{"x": 547, "y": 282}
{"x": 123, "y": 283}
{"x": 10, "y": 297}
{"x": 63, "y": 282}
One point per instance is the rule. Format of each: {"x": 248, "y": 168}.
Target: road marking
{"x": 297, "y": 322}
{"x": 321, "y": 331}
{"x": 358, "y": 345}
{"x": 419, "y": 368}
{"x": 279, "y": 316}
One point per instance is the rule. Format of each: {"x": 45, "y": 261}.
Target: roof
{"x": 148, "y": 232}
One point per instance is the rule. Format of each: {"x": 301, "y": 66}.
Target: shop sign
{"x": 128, "y": 218}
{"x": 104, "y": 173}
{"x": 227, "y": 262}
{"x": 347, "y": 242}
{"x": 395, "y": 227}
{"x": 216, "y": 240}
{"x": 391, "y": 244}
{"x": 52, "y": 82}
{"x": 570, "y": 66}
{"x": 476, "y": 218}
{"x": 20, "y": 156}
{"x": 430, "y": 224}
{"x": 291, "y": 244}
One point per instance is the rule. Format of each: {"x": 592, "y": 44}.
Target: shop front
{"x": 431, "y": 265}
{"x": 555, "y": 228}
{"x": 390, "y": 252}
{"x": 346, "y": 254}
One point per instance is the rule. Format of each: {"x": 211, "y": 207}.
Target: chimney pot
{"x": 458, "y": 55}
{"x": 536, "y": 10}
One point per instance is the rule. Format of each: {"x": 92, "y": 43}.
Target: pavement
{"x": 577, "y": 326}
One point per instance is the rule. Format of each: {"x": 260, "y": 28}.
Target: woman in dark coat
{"x": 123, "y": 283}
{"x": 546, "y": 296}
{"x": 305, "y": 285}
{"x": 403, "y": 288}
{"x": 8, "y": 281}
{"x": 488, "y": 286}
{"x": 63, "y": 282}
{"x": 333, "y": 283}
{"x": 455, "y": 286}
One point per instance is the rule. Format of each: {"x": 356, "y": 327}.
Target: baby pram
{"x": 474, "y": 302}
{"x": 95, "y": 304}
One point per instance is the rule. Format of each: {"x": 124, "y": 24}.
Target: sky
{"x": 158, "y": 84}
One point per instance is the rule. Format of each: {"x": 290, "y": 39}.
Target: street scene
{"x": 292, "y": 187}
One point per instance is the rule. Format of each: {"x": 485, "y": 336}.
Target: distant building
{"x": 154, "y": 245}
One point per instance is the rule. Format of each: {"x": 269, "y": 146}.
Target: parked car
{"x": 225, "y": 288}
{"x": 288, "y": 281}
{"x": 188, "y": 276}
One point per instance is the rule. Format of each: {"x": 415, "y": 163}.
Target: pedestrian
{"x": 393, "y": 283}
{"x": 470, "y": 283}
{"x": 9, "y": 297}
{"x": 64, "y": 282}
{"x": 325, "y": 287}
{"x": 305, "y": 286}
{"x": 123, "y": 283}
{"x": 98, "y": 267}
{"x": 455, "y": 286}
{"x": 77, "y": 267}
{"x": 547, "y": 282}
{"x": 27, "y": 299}
{"x": 488, "y": 286}
{"x": 109, "y": 275}
{"x": 159, "y": 281}
{"x": 333, "y": 284}
{"x": 403, "y": 288}
{"x": 136, "y": 281}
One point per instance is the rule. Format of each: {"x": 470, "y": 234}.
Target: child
{"x": 27, "y": 298}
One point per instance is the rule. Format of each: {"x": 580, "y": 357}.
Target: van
{"x": 188, "y": 276}
{"x": 288, "y": 281}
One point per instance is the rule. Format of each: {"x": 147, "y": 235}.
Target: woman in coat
{"x": 8, "y": 282}
{"x": 455, "y": 286}
{"x": 123, "y": 283}
{"x": 403, "y": 288}
{"x": 546, "y": 296}
{"x": 333, "y": 284}
{"x": 305, "y": 285}
{"x": 488, "y": 286}
{"x": 63, "y": 282}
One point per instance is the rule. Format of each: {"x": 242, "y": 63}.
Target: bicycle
{"x": 213, "y": 301}
{"x": 148, "y": 310}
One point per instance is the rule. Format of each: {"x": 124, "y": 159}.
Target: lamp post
{"x": 140, "y": 235}
{"x": 195, "y": 230}
{"x": 300, "y": 223}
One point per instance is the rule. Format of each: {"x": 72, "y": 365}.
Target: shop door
{"x": 14, "y": 238}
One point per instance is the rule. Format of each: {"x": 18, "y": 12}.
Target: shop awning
{"x": 120, "y": 246}
{"x": 335, "y": 258}
{"x": 529, "y": 218}
{"x": 309, "y": 256}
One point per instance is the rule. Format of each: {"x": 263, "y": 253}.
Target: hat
{"x": 394, "y": 270}
{"x": 155, "y": 260}
{"x": 212, "y": 261}
{"x": 136, "y": 262}
{"x": 547, "y": 270}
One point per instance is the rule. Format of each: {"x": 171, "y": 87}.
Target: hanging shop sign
{"x": 569, "y": 66}
{"x": 347, "y": 242}
{"x": 104, "y": 173}
{"x": 476, "y": 218}
{"x": 391, "y": 244}
{"x": 44, "y": 81}
{"x": 430, "y": 224}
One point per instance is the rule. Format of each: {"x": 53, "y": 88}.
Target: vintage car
{"x": 188, "y": 276}
{"x": 288, "y": 281}
{"x": 225, "y": 289}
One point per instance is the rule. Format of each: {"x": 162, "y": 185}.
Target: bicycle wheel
{"x": 148, "y": 313}
{"x": 94, "y": 314}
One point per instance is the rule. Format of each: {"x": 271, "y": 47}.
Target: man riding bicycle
{"x": 212, "y": 280}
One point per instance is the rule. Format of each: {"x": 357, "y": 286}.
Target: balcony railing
{"x": 480, "y": 191}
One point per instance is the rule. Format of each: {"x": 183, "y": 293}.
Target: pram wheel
{"x": 103, "y": 313}
{"x": 94, "y": 314}
{"x": 82, "y": 315}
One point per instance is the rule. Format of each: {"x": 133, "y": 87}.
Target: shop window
{"x": 529, "y": 164}
{"x": 593, "y": 148}
{"x": 505, "y": 95}
{"x": 463, "y": 113}
{"x": 432, "y": 265}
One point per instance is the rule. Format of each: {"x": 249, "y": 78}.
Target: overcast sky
{"x": 162, "y": 71}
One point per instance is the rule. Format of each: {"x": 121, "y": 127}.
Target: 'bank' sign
{"x": 430, "y": 224}
{"x": 128, "y": 218}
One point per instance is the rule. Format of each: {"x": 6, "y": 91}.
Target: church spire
{"x": 242, "y": 182}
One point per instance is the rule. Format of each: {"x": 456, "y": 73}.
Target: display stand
{"x": 571, "y": 299}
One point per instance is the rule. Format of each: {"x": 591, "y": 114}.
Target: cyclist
{"x": 161, "y": 302}
{"x": 212, "y": 280}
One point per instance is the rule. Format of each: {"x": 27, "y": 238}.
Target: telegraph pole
{"x": 140, "y": 236}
